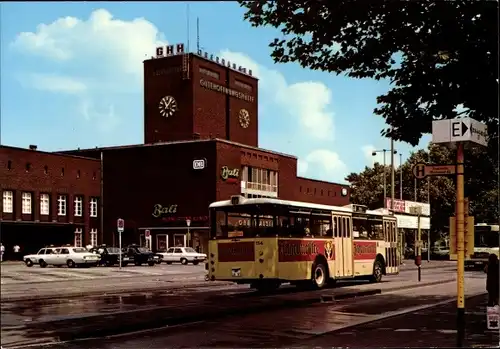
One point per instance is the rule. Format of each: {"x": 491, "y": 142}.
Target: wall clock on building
{"x": 167, "y": 106}
{"x": 244, "y": 117}
{"x": 344, "y": 192}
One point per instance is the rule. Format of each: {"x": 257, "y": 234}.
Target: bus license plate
{"x": 236, "y": 272}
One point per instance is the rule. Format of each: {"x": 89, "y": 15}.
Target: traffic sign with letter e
{"x": 459, "y": 130}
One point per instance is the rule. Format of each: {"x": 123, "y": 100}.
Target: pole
{"x": 385, "y": 185}
{"x": 419, "y": 247}
{"x": 401, "y": 177}
{"x": 415, "y": 195}
{"x": 392, "y": 174}
{"x": 460, "y": 247}
{"x": 429, "y": 231}
{"x": 101, "y": 233}
{"x": 187, "y": 24}
{"x": 197, "y": 34}
{"x": 120, "y": 246}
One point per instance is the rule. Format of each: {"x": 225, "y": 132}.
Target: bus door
{"x": 391, "y": 247}
{"x": 342, "y": 236}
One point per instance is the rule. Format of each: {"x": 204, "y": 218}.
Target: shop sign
{"x": 160, "y": 210}
{"x": 405, "y": 206}
{"x": 185, "y": 218}
{"x": 228, "y": 174}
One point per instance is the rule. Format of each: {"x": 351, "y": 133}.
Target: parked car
{"x": 110, "y": 256}
{"x": 32, "y": 259}
{"x": 183, "y": 255}
{"x": 70, "y": 256}
{"x": 441, "y": 252}
{"x": 140, "y": 255}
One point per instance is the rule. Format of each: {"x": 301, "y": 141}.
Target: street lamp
{"x": 384, "y": 151}
{"x": 188, "y": 223}
{"x": 400, "y": 176}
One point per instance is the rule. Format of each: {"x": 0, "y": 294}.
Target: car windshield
{"x": 143, "y": 250}
{"x": 113, "y": 250}
{"x": 79, "y": 250}
{"x": 190, "y": 249}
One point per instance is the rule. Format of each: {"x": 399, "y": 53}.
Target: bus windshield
{"x": 485, "y": 237}
{"x": 252, "y": 221}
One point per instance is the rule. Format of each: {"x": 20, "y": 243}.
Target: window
{"x": 44, "y": 204}
{"x": 61, "y": 205}
{"x": 26, "y": 203}
{"x": 78, "y": 237}
{"x": 93, "y": 237}
{"x": 64, "y": 251}
{"x": 62, "y": 171}
{"x": 9, "y": 165}
{"x": 28, "y": 167}
{"x": 78, "y": 206}
{"x": 8, "y": 201}
{"x": 46, "y": 169}
{"x": 93, "y": 207}
{"x": 94, "y": 176}
{"x": 78, "y": 174}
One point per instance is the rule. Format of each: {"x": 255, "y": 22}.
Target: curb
{"x": 102, "y": 293}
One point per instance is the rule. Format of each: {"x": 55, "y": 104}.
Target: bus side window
{"x": 348, "y": 227}
{"x": 335, "y": 226}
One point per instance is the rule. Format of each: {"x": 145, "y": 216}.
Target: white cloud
{"x": 371, "y": 159}
{"x": 54, "y": 83}
{"x": 105, "y": 118}
{"x": 309, "y": 102}
{"x": 302, "y": 167}
{"x": 325, "y": 165}
{"x": 122, "y": 45}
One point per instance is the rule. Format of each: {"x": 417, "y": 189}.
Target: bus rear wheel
{"x": 320, "y": 275}
{"x": 377, "y": 272}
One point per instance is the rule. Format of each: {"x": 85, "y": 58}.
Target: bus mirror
{"x": 235, "y": 199}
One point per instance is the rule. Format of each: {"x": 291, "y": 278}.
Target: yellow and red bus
{"x": 265, "y": 242}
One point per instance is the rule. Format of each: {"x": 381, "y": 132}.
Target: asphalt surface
{"x": 28, "y": 321}
{"x": 413, "y": 317}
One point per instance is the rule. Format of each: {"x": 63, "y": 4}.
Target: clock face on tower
{"x": 167, "y": 106}
{"x": 244, "y": 118}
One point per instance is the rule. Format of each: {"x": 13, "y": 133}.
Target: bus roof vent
{"x": 357, "y": 208}
{"x": 237, "y": 199}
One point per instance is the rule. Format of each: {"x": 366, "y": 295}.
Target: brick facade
{"x": 41, "y": 173}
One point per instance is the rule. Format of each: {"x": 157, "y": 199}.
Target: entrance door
{"x": 342, "y": 236}
{"x": 391, "y": 247}
{"x": 161, "y": 243}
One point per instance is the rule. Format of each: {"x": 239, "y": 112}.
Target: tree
{"x": 437, "y": 55}
{"x": 481, "y": 183}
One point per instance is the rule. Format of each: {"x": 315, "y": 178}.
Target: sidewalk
{"x": 431, "y": 327}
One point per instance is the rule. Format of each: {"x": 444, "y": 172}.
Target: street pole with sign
{"x": 120, "y": 225}
{"x": 188, "y": 223}
{"x": 458, "y": 131}
{"x": 417, "y": 210}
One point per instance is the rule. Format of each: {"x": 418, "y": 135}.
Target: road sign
{"x": 422, "y": 170}
{"x": 459, "y": 130}
{"x": 120, "y": 224}
{"x": 199, "y": 164}
{"x": 147, "y": 233}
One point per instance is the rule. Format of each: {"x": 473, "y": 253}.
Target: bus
{"x": 266, "y": 242}
{"x": 486, "y": 242}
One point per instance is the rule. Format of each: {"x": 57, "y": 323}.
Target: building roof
{"x": 162, "y": 144}
{"x": 47, "y": 152}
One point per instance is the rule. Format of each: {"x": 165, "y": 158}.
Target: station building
{"x": 200, "y": 145}
{"x": 47, "y": 198}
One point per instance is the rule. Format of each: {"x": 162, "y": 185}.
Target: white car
{"x": 70, "y": 256}
{"x": 183, "y": 255}
{"x": 32, "y": 259}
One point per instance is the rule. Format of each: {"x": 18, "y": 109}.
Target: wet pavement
{"x": 336, "y": 324}
{"x": 23, "y": 322}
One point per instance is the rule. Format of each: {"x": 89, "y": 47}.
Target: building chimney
{"x": 33, "y": 147}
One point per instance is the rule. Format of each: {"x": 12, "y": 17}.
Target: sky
{"x": 71, "y": 77}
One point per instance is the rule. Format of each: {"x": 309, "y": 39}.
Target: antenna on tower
{"x": 198, "y": 34}
{"x": 187, "y": 17}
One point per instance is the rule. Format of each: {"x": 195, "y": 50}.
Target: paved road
{"x": 24, "y": 321}
{"x": 301, "y": 326}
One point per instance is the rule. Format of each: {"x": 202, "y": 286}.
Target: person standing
{"x": 17, "y": 253}
{"x": 2, "y": 250}
{"x": 492, "y": 280}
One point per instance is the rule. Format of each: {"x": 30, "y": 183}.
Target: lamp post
{"x": 384, "y": 151}
{"x": 188, "y": 223}
{"x": 400, "y": 176}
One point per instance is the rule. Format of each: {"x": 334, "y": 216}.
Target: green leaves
{"x": 448, "y": 53}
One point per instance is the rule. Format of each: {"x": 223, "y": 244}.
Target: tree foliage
{"x": 437, "y": 55}
{"x": 481, "y": 184}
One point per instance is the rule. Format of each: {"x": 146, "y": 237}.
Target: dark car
{"x": 140, "y": 255}
{"x": 110, "y": 256}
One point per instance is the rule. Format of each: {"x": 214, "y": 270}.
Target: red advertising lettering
{"x": 236, "y": 251}
{"x": 365, "y": 250}
{"x": 304, "y": 250}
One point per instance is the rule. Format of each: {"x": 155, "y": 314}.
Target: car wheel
{"x": 184, "y": 261}
{"x": 29, "y": 263}
{"x": 196, "y": 262}
{"x": 138, "y": 263}
{"x": 124, "y": 264}
{"x": 42, "y": 263}
{"x": 168, "y": 263}
{"x": 70, "y": 263}
{"x": 151, "y": 264}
